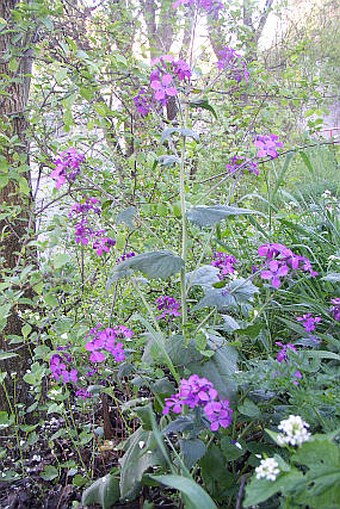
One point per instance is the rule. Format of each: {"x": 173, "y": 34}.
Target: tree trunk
{"x": 15, "y": 195}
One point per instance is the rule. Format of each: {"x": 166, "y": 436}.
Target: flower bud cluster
{"x": 294, "y": 431}
{"x": 168, "y": 305}
{"x": 268, "y": 469}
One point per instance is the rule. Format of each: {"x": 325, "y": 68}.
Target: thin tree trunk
{"x": 19, "y": 225}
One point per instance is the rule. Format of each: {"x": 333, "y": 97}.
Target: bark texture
{"x": 15, "y": 229}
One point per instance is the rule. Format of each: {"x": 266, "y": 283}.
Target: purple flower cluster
{"x": 282, "y": 354}
{"x": 199, "y": 392}
{"x": 233, "y": 62}
{"x": 107, "y": 341}
{"x": 309, "y": 322}
{"x": 84, "y": 234}
{"x": 67, "y": 166}
{"x": 168, "y": 305}
{"x": 335, "y": 309}
{"x": 61, "y": 369}
{"x": 280, "y": 261}
{"x": 239, "y": 164}
{"x": 125, "y": 256}
{"x": 212, "y": 7}
{"x": 268, "y": 145}
{"x": 164, "y": 78}
{"x": 225, "y": 263}
{"x": 85, "y": 206}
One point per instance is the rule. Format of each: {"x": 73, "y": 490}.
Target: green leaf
{"x": 307, "y": 162}
{"x": 156, "y": 264}
{"x": 168, "y": 160}
{"x": 220, "y": 368}
{"x": 210, "y": 215}
{"x": 104, "y": 491}
{"x": 192, "y": 450}
{"x": 249, "y": 408}
{"x": 333, "y": 277}
{"x": 60, "y": 260}
{"x": 7, "y": 355}
{"x": 203, "y": 104}
{"x": 198, "y": 498}
{"x": 141, "y": 454}
{"x": 49, "y": 473}
{"x": 230, "y": 324}
{"x": 127, "y": 216}
{"x": 204, "y": 276}
{"x": 260, "y": 490}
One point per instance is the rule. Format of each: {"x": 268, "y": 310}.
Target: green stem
{"x": 184, "y": 233}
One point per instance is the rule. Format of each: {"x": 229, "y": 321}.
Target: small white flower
{"x": 294, "y": 431}
{"x": 141, "y": 444}
{"x": 268, "y": 469}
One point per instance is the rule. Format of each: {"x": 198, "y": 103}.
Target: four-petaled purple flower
{"x": 67, "y": 166}
{"x": 225, "y": 263}
{"x": 276, "y": 270}
{"x": 196, "y": 392}
{"x": 168, "y": 305}
{"x": 164, "y": 88}
{"x": 267, "y": 145}
{"x": 309, "y": 321}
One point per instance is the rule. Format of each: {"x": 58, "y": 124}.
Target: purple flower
{"x": 219, "y": 414}
{"x": 60, "y": 369}
{"x": 280, "y": 259}
{"x": 143, "y": 102}
{"x": 211, "y": 7}
{"x": 101, "y": 243}
{"x": 335, "y": 309}
{"x": 275, "y": 272}
{"x": 309, "y": 322}
{"x": 297, "y": 375}
{"x": 182, "y": 69}
{"x": 164, "y": 88}
{"x": 196, "y": 392}
{"x": 168, "y": 305}
{"x": 282, "y": 354}
{"x": 83, "y": 233}
{"x": 67, "y": 166}
{"x": 225, "y": 263}
{"x": 232, "y": 61}
{"x": 239, "y": 164}
{"x": 267, "y": 145}
{"x": 83, "y": 394}
{"x": 84, "y": 207}
{"x": 125, "y": 256}
{"x": 107, "y": 340}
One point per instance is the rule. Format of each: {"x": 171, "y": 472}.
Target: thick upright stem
{"x": 184, "y": 232}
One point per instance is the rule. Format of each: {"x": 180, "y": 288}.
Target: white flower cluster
{"x": 268, "y": 469}
{"x": 294, "y": 431}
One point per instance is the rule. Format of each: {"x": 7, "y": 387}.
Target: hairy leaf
{"x": 210, "y": 215}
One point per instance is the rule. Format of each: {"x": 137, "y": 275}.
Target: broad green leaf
{"x": 198, "y": 498}
{"x": 192, "y": 450}
{"x": 168, "y": 160}
{"x": 60, "y": 260}
{"x": 7, "y": 355}
{"x": 210, "y": 215}
{"x": 249, "y": 408}
{"x": 127, "y": 216}
{"x": 205, "y": 276}
{"x": 155, "y": 264}
{"x": 230, "y": 324}
{"x": 104, "y": 491}
{"x": 260, "y": 490}
{"x": 141, "y": 454}
{"x": 49, "y": 473}
{"x": 220, "y": 368}
{"x": 203, "y": 104}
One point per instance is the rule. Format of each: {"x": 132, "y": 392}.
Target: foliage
{"x": 181, "y": 303}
